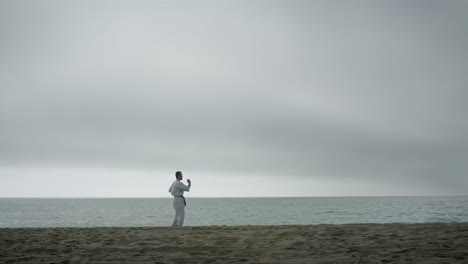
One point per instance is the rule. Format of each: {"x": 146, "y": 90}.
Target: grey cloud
{"x": 364, "y": 89}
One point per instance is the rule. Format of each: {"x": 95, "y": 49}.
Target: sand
{"x": 353, "y": 243}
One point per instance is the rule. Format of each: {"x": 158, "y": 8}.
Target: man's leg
{"x": 174, "y": 223}
{"x": 181, "y": 216}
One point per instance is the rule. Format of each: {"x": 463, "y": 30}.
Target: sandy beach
{"x": 353, "y": 243}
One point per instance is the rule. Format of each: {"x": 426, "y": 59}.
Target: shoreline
{"x": 233, "y": 226}
{"x": 324, "y": 243}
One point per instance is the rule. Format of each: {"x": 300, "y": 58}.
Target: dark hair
{"x": 178, "y": 173}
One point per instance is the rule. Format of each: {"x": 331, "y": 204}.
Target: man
{"x": 177, "y": 190}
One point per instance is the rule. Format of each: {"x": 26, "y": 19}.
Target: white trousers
{"x": 179, "y": 207}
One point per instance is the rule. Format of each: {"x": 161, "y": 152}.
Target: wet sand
{"x": 353, "y": 243}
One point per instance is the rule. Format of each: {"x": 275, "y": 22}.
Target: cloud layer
{"x": 364, "y": 90}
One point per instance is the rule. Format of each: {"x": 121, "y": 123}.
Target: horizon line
{"x": 231, "y": 197}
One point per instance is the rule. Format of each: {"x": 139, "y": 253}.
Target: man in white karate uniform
{"x": 177, "y": 190}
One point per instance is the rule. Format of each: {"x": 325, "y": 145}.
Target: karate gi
{"x": 177, "y": 190}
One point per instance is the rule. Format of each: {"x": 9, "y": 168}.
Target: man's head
{"x": 178, "y": 175}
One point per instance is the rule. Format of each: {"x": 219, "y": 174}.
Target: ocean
{"x": 91, "y": 212}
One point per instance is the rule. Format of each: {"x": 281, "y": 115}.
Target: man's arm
{"x": 183, "y": 187}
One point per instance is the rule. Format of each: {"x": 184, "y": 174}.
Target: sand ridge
{"x": 351, "y": 243}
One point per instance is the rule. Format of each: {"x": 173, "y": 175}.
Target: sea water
{"x": 90, "y": 212}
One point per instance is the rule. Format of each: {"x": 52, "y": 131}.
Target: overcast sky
{"x": 247, "y": 98}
